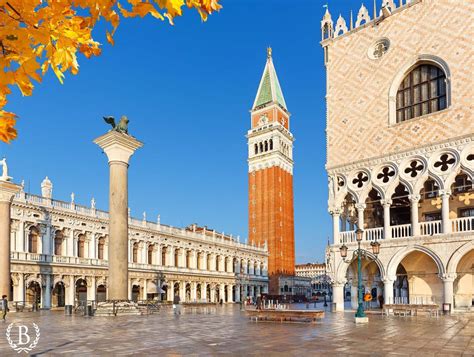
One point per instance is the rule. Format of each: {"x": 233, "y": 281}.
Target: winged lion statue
{"x": 121, "y": 127}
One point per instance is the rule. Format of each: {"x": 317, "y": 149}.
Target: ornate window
{"x": 422, "y": 91}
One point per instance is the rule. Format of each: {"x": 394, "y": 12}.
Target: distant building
{"x": 59, "y": 256}
{"x": 320, "y": 281}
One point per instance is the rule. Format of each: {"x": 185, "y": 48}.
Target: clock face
{"x": 263, "y": 120}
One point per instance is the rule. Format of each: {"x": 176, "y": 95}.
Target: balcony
{"x": 59, "y": 259}
{"x": 431, "y": 228}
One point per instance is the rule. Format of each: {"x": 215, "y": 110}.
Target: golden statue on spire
{"x": 269, "y": 52}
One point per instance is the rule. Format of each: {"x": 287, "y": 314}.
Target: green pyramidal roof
{"x": 269, "y": 90}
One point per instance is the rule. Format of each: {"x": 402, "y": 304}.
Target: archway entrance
{"x": 198, "y": 292}
{"x": 371, "y": 282}
{"x": 101, "y": 293}
{"x": 419, "y": 280}
{"x": 33, "y": 294}
{"x": 135, "y": 292}
{"x": 226, "y": 294}
{"x": 59, "y": 295}
{"x": 400, "y": 287}
{"x": 464, "y": 283}
{"x": 188, "y": 292}
{"x": 208, "y": 293}
{"x": 176, "y": 290}
{"x": 218, "y": 294}
{"x": 81, "y": 291}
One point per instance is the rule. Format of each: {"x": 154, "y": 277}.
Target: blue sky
{"x": 187, "y": 91}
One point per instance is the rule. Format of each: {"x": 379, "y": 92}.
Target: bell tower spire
{"x": 270, "y": 158}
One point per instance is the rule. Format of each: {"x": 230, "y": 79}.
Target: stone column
{"x": 19, "y": 292}
{"x": 354, "y": 297}
{"x": 387, "y": 230}
{"x": 119, "y": 148}
{"x": 230, "y": 294}
{"x": 388, "y": 291}
{"x": 193, "y": 291}
{"x": 222, "y": 292}
{"x": 213, "y": 293}
{"x": 170, "y": 291}
{"x": 21, "y": 237}
{"x": 338, "y": 295}
{"x": 70, "y": 290}
{"x": 204, "y": 292}
{"x": 360, "y": 215}
{"x": 445, "y": 211}
{"x": 91, "y": 288}
{"x": 335, "y": 225}
{"x": 46, "y": 292}
{"x": 7, "y": 192}
{"x": 415, "y": 225}
{"x": 145, "y": 292}
{"x": 182, "y": 290}
{"x": 237, "y": 293}
{"x": 448, "y": 289}
{"x": 92, "y": 246}
{"x": 47, "y": 244}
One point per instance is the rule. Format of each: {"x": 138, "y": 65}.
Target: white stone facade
{"x": 59, "y": 257}
{"x": 400, "y": 152}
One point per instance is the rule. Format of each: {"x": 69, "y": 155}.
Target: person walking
{"x": 176, "y": 305}
{"x": 259, "y": 302}
{"x": 5, "y": 308}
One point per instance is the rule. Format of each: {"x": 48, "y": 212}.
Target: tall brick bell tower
{"x": 270, "y": 145}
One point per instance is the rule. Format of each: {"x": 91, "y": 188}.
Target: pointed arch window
{"x": 422, "y": 91}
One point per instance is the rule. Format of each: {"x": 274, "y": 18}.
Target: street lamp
{"x": 360, "y": 252}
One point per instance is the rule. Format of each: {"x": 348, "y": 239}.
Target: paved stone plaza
{"x": 223, "y": 330}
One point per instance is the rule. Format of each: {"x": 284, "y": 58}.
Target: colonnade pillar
{"x": 338, "y": 295}
{"x": 445, "y": 210}
{"x": 118, "y": 147}
{"x": 415, "y": 225}
{"x": 388, "y": 291}
{"x": 387, "y": 231}
{"x": 7, "y": 192}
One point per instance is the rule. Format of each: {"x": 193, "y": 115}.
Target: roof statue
{"x": 4, "y": 176}
{"x": 121, "y": 127}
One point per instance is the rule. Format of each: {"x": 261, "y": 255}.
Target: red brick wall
{"x": 271, "y": 216}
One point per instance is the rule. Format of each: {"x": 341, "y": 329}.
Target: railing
{"x": 347, "y": 237}
{"x": 401, "y": 231}
{"x": 44, "y": 258}
{"x": 216, "y": 237}
{"x": 430, "y": 228}
{"x": 464, "y": 224}
{"x": 374, "y": 233}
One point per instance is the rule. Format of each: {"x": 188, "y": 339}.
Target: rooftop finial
{"x": 269, "y": 52}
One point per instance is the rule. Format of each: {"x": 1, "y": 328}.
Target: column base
{"x": 361, "y": 320}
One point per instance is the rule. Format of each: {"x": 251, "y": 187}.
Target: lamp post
{"x": 360, "y": 314}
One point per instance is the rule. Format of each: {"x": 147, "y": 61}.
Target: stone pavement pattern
{"x": 223, "y": 330}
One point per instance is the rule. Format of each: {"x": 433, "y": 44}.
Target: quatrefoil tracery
{"x": 445, "y": 162}
{"x": 414, "y": 169}
{"x": 360, "y": 179}
{"x": 386, "y": 173}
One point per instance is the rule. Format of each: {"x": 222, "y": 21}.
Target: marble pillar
{"x": 338, "y": 296}
{"x": 7, "y": 192}
{"x": 388, "y": 291}
{"x": 119, "y": 148}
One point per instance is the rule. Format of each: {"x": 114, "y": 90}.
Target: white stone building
{"x": 400, "y": 150}
{"x": 320, "y": 281}
{"x": 59, "y": 257}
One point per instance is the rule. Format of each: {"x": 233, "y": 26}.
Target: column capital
{"x": 414, "y": 198}
{"x": 334, "y": 211}
{"x": 360, "y": 206}
{"x": 445, "y": 193}
{"x": 8, "y": 190}
{"x": 448, "y": 277}
{"x": 118, "y": 146}
{"x": 386, "y": 203}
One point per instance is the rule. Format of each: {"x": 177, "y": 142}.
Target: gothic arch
{"x": 400, "y": 75}
{"x": 458, "y": 255}
{"x": 403, "y": 252}
{"x": 344, "y": 265}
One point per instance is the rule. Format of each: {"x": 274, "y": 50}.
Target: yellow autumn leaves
{"x": 36, "y": 35}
